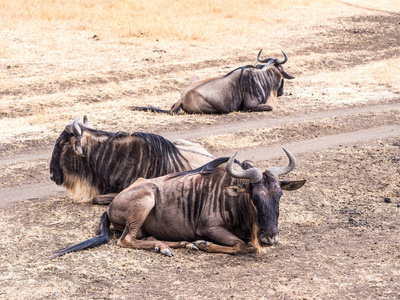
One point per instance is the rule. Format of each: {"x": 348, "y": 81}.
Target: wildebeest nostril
{"x": 53, "y": 177}
{"x": 270, "y": 240}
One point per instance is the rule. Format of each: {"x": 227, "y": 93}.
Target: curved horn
{"x": 263, "y": 61}
{"x": 78, "y": 136}
{"x": 281, "y": 62}
{"x": 253, "y": 174}
{"x": 277, "y": 171}
{"x": 76, "y": 129}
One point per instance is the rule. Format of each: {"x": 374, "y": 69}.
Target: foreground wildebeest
{"x": 248, "y": 88}
{"x": 214, "y": 202}
{"x": 90, "y": 162}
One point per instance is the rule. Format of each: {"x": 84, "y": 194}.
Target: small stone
{"x": 397, "y": 144}
{"x": 387, "y": 200}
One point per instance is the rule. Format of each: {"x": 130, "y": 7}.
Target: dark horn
{"x": 76, "y": 129}
{"x": 281, "y": 62}
{"x": 277, "y": 171}
{"x": 253, "y": 174}
{"x": 263, "y": 61}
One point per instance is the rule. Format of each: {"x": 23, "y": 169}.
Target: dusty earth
{"x": 340, "y": 233}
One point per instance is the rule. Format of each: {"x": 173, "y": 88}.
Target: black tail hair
{"x": 152, "y": 109}
{"x": 240, "y": 68}
{"x": 205, "y": 169}
{"x": 103, "y": 238}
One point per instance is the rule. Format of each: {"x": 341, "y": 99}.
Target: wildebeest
{"x": 90, "y": 162}
{"x": 248, "y": 88}
{"x": 214, "y": 202}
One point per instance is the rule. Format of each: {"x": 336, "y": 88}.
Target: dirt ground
{"x": 339, "y": 234}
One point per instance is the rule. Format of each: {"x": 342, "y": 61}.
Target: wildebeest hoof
{"x": 197, "y": 243}
{"x": 191, "y": 246}
{"x": 167, "y": 252}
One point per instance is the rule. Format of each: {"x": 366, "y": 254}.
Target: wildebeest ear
{"x": 85, "y": 120}
{"x": 292, "y": 185}
{"x": 68, "y": 128}
{"x": 286, "y": 75}
{"x": 234, "y": 190}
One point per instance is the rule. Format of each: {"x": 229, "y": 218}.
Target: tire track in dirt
{"x": 348, "y": 3}
{"x": 239, "y": 126}
{"x": 233, "y": 127}
{"x": 320, "y": 143}
{"x": 9, "y": 195}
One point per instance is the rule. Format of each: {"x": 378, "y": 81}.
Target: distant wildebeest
{"x": 90, "y": 162}
{"x": 248, "y": 88}
{"x": 213, "y": 202}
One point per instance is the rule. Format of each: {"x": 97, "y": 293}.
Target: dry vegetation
{"x": 157, "y": 19}
{"x": 62, "y": 59}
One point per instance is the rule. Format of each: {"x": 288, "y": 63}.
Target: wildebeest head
{"x": 265, "y": 191}
{"x": 68, "y": 141}
{"x": 277, "y": 65}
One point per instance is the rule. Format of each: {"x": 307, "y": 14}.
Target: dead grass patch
{"x": 182, "y": 20}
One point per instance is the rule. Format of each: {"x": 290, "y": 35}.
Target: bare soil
{"x": 340, "y": 117}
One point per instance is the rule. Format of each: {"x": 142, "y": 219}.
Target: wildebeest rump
{"x": 215, "y": 202}
{"x": 90, "y": 162}
{"x": 248, "y": 88}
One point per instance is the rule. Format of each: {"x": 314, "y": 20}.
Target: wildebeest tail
{"x": 103, "y": 238}
{"x": 205, "y": 169}
{"x": 150, "y": 108}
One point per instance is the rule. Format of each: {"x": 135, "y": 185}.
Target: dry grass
{"x": 365, "y": 77}
{"x": 157, "y": 19}
{"x": 349, "y": 180}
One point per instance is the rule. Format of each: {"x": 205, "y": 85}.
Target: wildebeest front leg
{"x": 264, "y": 107}
{"x": 172, "y": 244}
{"x": 138, "y": 211}
{"x": 104, "y": 199}
{"x": 130, "y": 242}
{"x": 232, "y": 244}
